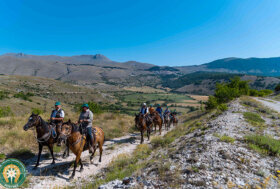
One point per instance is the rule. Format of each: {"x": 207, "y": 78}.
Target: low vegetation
{"x": 225, "y": 138}
{"x": 24, "y": 96}
{"x": 264, "y": 144}
{"x": 226, "y": 92}
{"x": 253, "y": 118}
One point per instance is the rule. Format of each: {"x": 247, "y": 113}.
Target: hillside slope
{"x": 218, "y": 153}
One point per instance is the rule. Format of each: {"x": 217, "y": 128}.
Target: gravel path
{"x": 55, "y": 176}
{"x": 273, "y": 104}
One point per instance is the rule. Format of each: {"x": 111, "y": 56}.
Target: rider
{"x": 167, "y": 111}
{"x": 85, "y": 119}
{"x": 151, "y": 109}
{"x": 57, "y": 114}
{"x": 159, "y": 110}
{"x": 144, "y": 109}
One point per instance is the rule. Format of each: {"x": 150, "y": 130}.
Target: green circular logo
{"x": 12, "y": 173}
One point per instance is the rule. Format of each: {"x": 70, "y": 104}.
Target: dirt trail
{"x": 50, "y": 176}
{"x": 273, "y": 104}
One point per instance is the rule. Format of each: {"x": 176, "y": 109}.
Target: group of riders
{"x": 148, "y": 111}
{"x": 86, "y": 118}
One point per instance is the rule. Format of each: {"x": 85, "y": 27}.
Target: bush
{"x": 3, "y": 94}
{"x": 222, "y": 107}
{"x": 37, "y": 111}
{"x": 5, "y": 111}
{"x": 94, "y": 107}
{"x": 24, "y": 96}
{"x": 277, "y": 88}
{"x": 211, "y": 103}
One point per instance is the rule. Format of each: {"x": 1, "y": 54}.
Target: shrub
{"x": 211, "y": 103}
{"x": 3, "y": 94}
{"x": 37, "y": 111}
{"x": 5, "y": 111}
{"x": 94, "y": 107}
{"x": 277, "y": 88}
{"x": 24, "y": 96}
{"x": 222, "y": 107}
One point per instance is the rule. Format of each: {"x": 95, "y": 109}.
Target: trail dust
{"x": 57, "y": 175}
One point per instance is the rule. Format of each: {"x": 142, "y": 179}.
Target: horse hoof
{"x": 100, "y": 160}
{"x": 53, "y": 162}
{"x": 81, "y": 170}
{"x": 71, "y": 178}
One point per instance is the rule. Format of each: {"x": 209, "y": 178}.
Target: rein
{"x": 46, "y": 136}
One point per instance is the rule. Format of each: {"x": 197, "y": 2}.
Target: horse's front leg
{"x": 75, "y": 165}
{"x": 51, "y": 150}
{"x": 39, "y": 155}
{"x": 142, "y": 137}
{"x": 66, "y": 152}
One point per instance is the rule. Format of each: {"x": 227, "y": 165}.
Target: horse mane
{"x": 43, "y": 122}
{"x": 75, "y": 128}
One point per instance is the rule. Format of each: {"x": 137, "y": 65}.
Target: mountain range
{"x": 98, "y": 71}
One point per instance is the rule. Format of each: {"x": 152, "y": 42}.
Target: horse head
{"x": 65, "y": 132}
{"x": 33, "y": 121}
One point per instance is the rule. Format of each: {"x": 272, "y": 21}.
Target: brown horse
{"x": 44, "y": 134}
{"x": 157, "y": 121}
{"x": 143, "y": 124}
{"x": 77, "y": 142}
{"x": 174, "y": 120}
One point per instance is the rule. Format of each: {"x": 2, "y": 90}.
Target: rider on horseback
{"x": 57, "y": 117}
{"x": 159, "y": 110}
{"x": 167, "y": 111}
{"x": 57, "y": 114}
{"x": 85, "y": 119}
{"x": 144, "y": 109}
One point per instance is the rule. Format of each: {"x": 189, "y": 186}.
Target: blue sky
{"x": 177, "y": 32}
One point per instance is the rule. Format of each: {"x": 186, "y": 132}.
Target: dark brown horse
{"x": 77, "y": 142}
{"x": 143, "y": 124}
{"x": 174, "y": 120}
{"x": 157, "y": 121}
{"x": 45, "y": 137}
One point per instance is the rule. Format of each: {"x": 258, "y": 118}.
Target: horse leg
{"x": 92, "y": 155}
{"x": 75, "y": 165}
{"x": 142, "y": 137}
{"x": 50, "y": 146}
{"x": 66, "y": 152}
{"x": 148, "y": 133}
{"x": 100, "y": 150}
{"x": 82, "y": 166}
{"x": 39, "y": 155}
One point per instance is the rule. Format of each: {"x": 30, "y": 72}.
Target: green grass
{"x": 2, "y": 156}
{"x": 264, "y": 144}
{"x": 225, "y": 138}
{"x": 253, "y": 118}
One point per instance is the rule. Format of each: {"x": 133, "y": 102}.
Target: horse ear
{"x": 69, "y": 120}
{"x": 135, "y": 114}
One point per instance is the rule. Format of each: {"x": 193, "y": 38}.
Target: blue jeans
{"x": 89, "y": 133}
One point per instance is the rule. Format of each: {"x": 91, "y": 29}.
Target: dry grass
{"x": 14, "y": 138}
{"x": 144, "y": 89}
{"x": 198, "y": 97}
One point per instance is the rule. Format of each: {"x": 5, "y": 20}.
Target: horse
{"x": 78, "y": 143}
{"x": 157, "y": 121}
{"x": 45, "y": 137}
{"x": 167, "y": 121}
{"x": 174, "y": 120}
{"x": 143, "y": 124}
